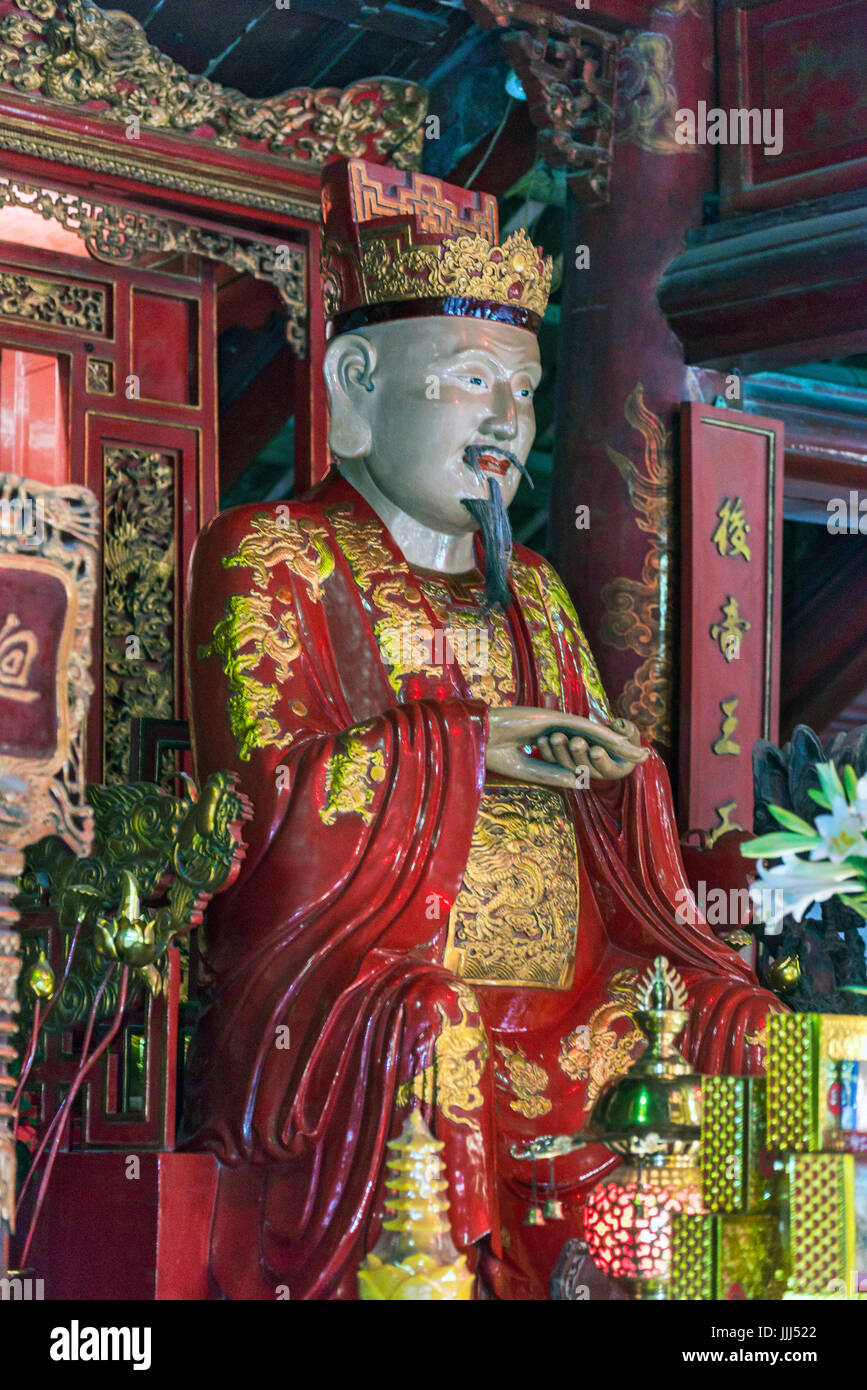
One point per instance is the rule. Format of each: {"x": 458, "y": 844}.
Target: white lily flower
{"x": 796, "y": 883}
{"x": 841, "y": 831}
{"x": 859, "y": 805}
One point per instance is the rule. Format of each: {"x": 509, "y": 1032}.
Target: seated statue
{"x": 460, "y": 862}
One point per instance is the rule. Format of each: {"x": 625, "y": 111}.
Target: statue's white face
{"x": 408, "y": 396}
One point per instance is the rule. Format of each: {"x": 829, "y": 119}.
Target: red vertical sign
{"x": 731, "y": 535}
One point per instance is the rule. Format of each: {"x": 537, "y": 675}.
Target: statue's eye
{"x": 526, "y": 392}
{"x": 474, "y": 380}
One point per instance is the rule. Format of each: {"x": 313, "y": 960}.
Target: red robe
{"x": 332, "y": 1007}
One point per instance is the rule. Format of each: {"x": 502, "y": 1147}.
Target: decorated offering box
{"x": 817, "y": 1082}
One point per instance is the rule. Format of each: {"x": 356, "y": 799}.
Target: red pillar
{"x": 621, "y": 376}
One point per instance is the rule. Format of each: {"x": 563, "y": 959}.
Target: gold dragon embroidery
{"x": 527, "y": 1080}
{"x": 516, "y": 915}
{"x": 251, "y": 632}
{"x": 451, "y": 1081}
{"x": 594, "y": 1051}
{"x": 350, "y": 779}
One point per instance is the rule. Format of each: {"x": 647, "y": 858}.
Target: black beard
{"x": 493, "y": 520}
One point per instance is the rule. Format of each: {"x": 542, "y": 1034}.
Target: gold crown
{"x": 466, "y": 266}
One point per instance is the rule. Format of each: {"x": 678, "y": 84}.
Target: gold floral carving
{"x": 526, "y": 582}
{"x": 527, "y": 1080}
{"x": 351, "y": 778}
{"x": 52, "y": 303}
{"x": 647, "y": 99}
{"x": 515, "y": 918}
{"x": 45, "y": 796}
{"x": 451, "y": 1081}
{"x": 72, "y": 52}
{"x": 119, "y": 235}
{"x": 99, "y": 378}
{"x": 639, "y": 614}
{"x": 595, "y": 1051}
{"x": 103, "y": 157}
{"x": 138, "y": 596}
{"x": 251, "y": 632}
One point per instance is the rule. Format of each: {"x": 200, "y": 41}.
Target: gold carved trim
{"x": 639, "y": 614}
{"x": 103, "y": 157}
{"x": 118, "y": 234}
{"x": 72, "y": 52}
{"x": 515, "y": 919}
{"x": 53, "y": 303}
{"x": 138, "y": 603}
{"x": 64, "y": 544}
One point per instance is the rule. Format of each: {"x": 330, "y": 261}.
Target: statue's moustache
{"x": 475, "y": 453}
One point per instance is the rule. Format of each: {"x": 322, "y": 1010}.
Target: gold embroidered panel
{"x": 515, "y": 918}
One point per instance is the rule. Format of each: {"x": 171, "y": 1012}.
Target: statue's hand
{"x": 567, "y": 743}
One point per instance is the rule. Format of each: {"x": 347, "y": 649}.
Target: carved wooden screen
{"x": 731, "y": 539}
{"x": 133, "y": 353}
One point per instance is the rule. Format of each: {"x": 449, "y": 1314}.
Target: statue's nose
{"x": 502, "y": 422}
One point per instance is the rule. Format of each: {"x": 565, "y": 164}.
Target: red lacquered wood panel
{"x": 731, "y": 538}
{"x": 805, "y": 59}
{"x": 163, "y": 347}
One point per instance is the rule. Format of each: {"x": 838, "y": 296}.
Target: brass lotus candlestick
{"x": 651, "y": 1116}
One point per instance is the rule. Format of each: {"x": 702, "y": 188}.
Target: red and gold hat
{"x": 397, "y": 244}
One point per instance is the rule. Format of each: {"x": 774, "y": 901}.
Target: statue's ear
{"x": 350, "y": 360}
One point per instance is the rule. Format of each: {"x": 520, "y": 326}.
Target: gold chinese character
{"x": 725, "y": 743}
{"x": 18, "y": 649}
{"x": 730, "y": 537}
{"x": 730, "y": 632}
{"x": 725, "y": 824}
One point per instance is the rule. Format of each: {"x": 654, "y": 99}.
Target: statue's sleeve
{"x": 375, "y": 805}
